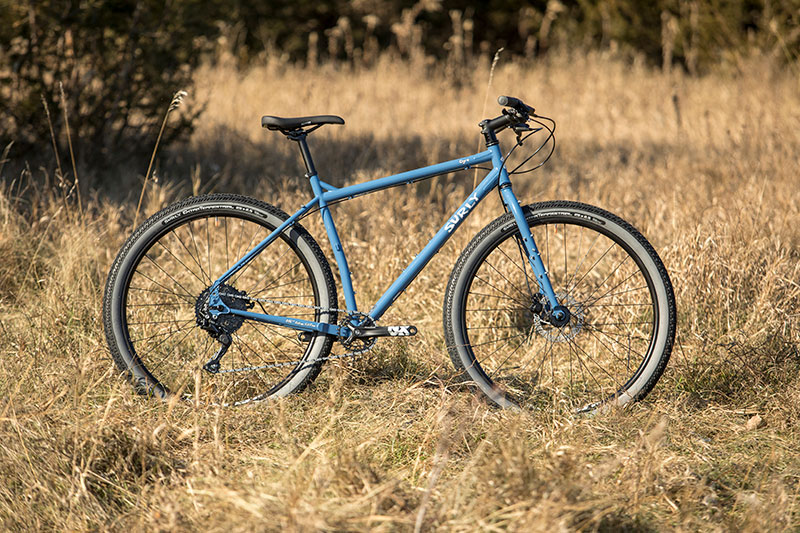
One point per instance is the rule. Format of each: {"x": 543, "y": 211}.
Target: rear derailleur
{"x": 222, "y": 326}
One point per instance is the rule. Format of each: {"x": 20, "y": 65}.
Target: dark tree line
{"x": 120, "y": 61}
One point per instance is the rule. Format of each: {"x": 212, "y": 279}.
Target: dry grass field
{"x": 707, "y": 168}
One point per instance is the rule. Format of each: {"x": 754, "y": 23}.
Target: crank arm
{"x": 385, "y": 331}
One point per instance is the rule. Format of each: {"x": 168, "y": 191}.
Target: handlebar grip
{"x": 515, "y": 103}
{"x": 509, "y": 101}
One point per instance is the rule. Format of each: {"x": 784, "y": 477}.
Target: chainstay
{"x": 290, "y": 304}
{"x": 354, "y": 353}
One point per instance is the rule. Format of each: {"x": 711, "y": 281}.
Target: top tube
{"x": 411, "y": 176}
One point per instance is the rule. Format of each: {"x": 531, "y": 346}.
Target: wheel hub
{"x": 563, "y": 323}
{"x": 559, "y": 316}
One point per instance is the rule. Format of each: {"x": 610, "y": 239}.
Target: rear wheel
{"x": 156, "y": 302}
{"x": 621, "y": 325}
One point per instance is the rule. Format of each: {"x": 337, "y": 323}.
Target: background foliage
{"x": 120, "y": 60}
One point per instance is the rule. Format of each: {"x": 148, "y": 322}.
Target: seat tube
{"x": 336, "y": 245}
{"x": 531, "y": 250}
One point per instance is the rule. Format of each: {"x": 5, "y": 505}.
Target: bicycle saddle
{"x": 289, "y": 124}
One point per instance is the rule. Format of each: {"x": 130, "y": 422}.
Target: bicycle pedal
{"x": 385, "y": 331}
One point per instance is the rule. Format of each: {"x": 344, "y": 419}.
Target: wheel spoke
{"x": 629, "y": 276}
{"x": 185, "y": 290}
{"x": 503, "y": 297}
{"x": 267, "y": 271}
{"x": 571, "y": 289}
{"x": 508, "y": 281}
{"x": 498, "y": 290}
{"x": 498, "y": 309}
{"x": 611, "y": 294}
{"x": 194, "y": 259}
{"x": 186, "y": 294}
{"x": 568, "y": 283}
{"x": 239, "y": 256}
{"x": 185, "y": 324}
{"x": 155, "y": 367}
{"x": 190, "y": 225}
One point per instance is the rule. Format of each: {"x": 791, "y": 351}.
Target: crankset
{"x": 384, "y": 331}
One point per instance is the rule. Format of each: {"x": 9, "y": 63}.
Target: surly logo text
{"x": 462, "y": 212}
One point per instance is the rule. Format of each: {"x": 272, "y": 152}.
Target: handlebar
{"x": 496, "y": 124}
{"x": 516, "y": 112}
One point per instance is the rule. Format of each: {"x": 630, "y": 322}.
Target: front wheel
{"x": 621, "y": 311}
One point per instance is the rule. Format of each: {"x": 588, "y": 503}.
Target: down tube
{"x": 426, "y": 254}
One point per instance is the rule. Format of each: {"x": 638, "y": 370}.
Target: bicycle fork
{"x": 558, "y": 314}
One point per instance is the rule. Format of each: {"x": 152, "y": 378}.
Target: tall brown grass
{"x": 706, "y": 167}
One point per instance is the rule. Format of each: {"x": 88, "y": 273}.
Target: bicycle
{"x": 228, "y": 299}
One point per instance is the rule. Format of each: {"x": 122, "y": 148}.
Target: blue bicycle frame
{"x": 325, "y": 194}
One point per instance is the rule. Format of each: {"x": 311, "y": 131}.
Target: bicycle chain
{"x": 354, "y": 353}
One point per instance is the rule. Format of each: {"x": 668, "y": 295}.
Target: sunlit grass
{"x": 378, "y": 443}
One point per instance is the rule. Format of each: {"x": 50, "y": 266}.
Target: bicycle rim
{"x": 607, "y": 280}
{"x": 164, "y": 292}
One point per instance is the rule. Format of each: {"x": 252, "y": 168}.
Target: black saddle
{"x": 296, "y": 123}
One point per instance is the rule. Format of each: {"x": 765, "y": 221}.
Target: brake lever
{"x": 516, "y": 115}
{"x": 519, "y": 129}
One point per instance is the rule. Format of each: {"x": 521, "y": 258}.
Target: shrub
{"x": 119, "y": 62}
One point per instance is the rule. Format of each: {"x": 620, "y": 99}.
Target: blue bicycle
{"x": 227, "y": 299}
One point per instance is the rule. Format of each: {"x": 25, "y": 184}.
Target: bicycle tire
{"x": 621, "y": 330}
{"x": 153, "y": 302}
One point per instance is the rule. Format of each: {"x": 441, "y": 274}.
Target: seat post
{"x": 300, "y": 138}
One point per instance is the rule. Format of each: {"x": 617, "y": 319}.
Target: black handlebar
{"x": 497, "y": 124}
{"x": 518, "y": 112}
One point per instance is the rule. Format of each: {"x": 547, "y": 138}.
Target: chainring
{"x": 352, "y": 342}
